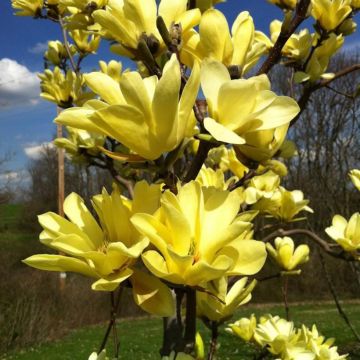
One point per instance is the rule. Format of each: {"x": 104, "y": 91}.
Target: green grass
{"x": 141, "y": 338}
{"x": 10, "y": 215}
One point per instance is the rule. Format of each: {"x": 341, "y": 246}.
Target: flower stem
{"x": 214, "y": 338}
{"x": 190, "y": 321}
{"x": 285, "y": 296}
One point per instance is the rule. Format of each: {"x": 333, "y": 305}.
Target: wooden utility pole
{"x": 61, "y": 190}
{"x": 61, "y": 173}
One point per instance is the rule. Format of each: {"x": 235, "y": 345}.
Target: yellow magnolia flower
{"x": 63, "y": 89}
{"x": 113, "y": 69}
{"x": 276, "y": 334}
{"x": 214, "y": 41}
{"x": 287, "y": 150}
{"x": 56, "y": 52}
{"x": 320, "y": 59}
{"x": 198, "y": 237}
{"x": 322, "y": 348}
{"x": 355, "y": 4}
{"x": 330, "y": 13}
{"x": 284, "y": 205}
{"x": 245, "y": 112}
{"x": 285, "y": 254}
{"x": 284, "y": 4}
{"x": 106, "y": 250}
{"x": 244, "y": 328}
{"x": 85, "y": 42}
{"x": 275, "y": 166}
{"x": 348, "y": 27}
{"x": 209, "y": 177}
{"x": 261, "y": 186}
{"x": 27, "y": 7}
{"x": 130, "y": 21}
{"x": 355, "y": 178}
{"x": 299, "y": 45}
{"x": 78, "y": 142}
{"x": 100, "y": 356}
{"x": 210, "y": 308}
{"x": 146, "y": 115}
{"x": 346, "y": 233}
{"x": 226, "y": 159}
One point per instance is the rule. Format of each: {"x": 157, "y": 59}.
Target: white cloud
{"x": 18, "y": 85}
{"x": 34, "y": 151}
{"x": 38, "y": 48}
{"x": 14, "y": 178}
{"x": 12, "y": 175}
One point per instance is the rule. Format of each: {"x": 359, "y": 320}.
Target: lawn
{"x": 141, "y": 338}
{"x": 9, "y": 215}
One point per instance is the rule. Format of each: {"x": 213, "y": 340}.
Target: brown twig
{"x": 285, "y": 288}
{"x": 198, "y": 161}
{"x": 112, "y": 323}
{"x": 321, "y": 242}
{"x": 336, "y": 298}
{"x": 66, "y": 44}
{"x": 214, "y": 339}
{"x": 275, "y": 52}
{"x": 190, "y": 320}
{"x": 308, "y": 90}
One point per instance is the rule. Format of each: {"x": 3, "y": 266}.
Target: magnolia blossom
{"x": 330, "y": 13}
{"x": 146, "y": 115}
{"x": 286, "y": 255}
{"x": 346, "y": 233}
{"x": 245, "y": 112}
{"x": 106, "y": 250}
{"x": 198, "y": 237}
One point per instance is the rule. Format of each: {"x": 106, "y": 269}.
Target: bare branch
{"x": 275, "y": 53}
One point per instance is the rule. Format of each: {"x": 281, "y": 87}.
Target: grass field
{"x": 9, "y": 215}
{"x": 141, "y": 338}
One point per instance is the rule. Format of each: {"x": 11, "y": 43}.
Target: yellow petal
{"x": 243, "y": 37}
{"x": 251, "y": 257}
{"x": 127, "y": 125}
{"x": 213, "y": 75}
{"x": 282, "y": 110}
{"x": 136, "y": 94}
{"x": 157, "y": 265}
{"x": 111, "y": 282}
{"x": 188, "y": 98}
{"x": 215, "y": 36}
{"x": 151, "y": 227}
{"x": 170, "y": 10}
{"x": 152, "y": 295}
{"x": 105, "y": 86}
{"x": 165, "y": 103}
{"x": 142, "y": 13}
{"x": 222, "y": 133}
{"x": 78, "y": 214}
{"x": 202, "y": 272}
{"x": 78, "y": 118}
{"x": 59, "y": 263}
{"x": 132, "y": 158}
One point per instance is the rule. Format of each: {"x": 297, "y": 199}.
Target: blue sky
{"x": 26, "y": 121}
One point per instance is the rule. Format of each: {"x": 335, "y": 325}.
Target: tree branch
{"x": 321, "y": 242}
{"x": 275, "y": 52}
{"x": 66, "y": 44}
{"x": 336, "y": 299}
{"x": 308, "y": 90}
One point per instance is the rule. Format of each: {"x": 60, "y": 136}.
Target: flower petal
{"x": 152, "y": 295}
